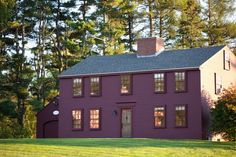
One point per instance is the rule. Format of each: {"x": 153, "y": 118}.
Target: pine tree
{"x": 130, "y": 14}
{"x": 218, "y": 29}
{"x": 190, "y": 25}
{"x": 81, "y": 31}
{"x": 166, "y": 20}
{"x": 111, "y": 25}
{"x": 17, "y": 74}
{"x": 6, "y": 8}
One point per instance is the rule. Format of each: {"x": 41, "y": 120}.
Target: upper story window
{"x": 180, "y": 81}
{"x": 77, "y": 119}
{"x": 159, "y": 117}
{"x": 95, "y": 122}
{"x": 78, "y": 87}
{"x": 125, "y": 84}
{"x": 218, "y": 84}
{"x": 226, "y": 60}
{"x": 95, "y": 86}
{"x": 159, "y": 79}
{"x": 180, "y": 116}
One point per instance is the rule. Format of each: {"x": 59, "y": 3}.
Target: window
{"x": 218, "y": 84}
{"x": 125, "y": 84}
{"x": 95, "y": 119}
{"x": 95, "y": 86}
{"x": 226, "y": 61}
{"x": 77, "y": 87}
{"x": 180, "y": 116}
{"x": 77, "y": 119}
{"x": 159, "y": 82}
{"x": 180, "y": 81}
{"x": 159, "y": 117}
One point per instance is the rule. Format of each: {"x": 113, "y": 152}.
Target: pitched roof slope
{"x": 169, "y": 59}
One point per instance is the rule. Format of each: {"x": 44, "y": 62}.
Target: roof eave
{"x": 137, "y": 71}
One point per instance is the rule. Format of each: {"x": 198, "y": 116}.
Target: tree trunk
{"x": 84, "y": 5}
{"x": 160, "y": 26}
{"x": 210, "y": 42}
{"x": 150, "y": 17}
{"x": 130, "y": 28}
{"x": 58, "y": 37}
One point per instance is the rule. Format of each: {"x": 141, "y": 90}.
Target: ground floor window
{"x": 180, "y": 116}
{"x": 159, "y": 117}
{"x": 95, "y": 119}
{"x": 77, "y": 119}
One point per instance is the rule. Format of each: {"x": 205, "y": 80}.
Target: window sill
{"x": 95, "y": 95}
{"x": 184, "y": 91}
{"x": 160, "y": 127}
{"x": 77, "y": 129}
{"x": 164, "y": 92}
{"x": 95, "y": 129}
{"x": 181, "y": 127}
{"x": 78, "y": 96}
{"x": 125, "y": 94}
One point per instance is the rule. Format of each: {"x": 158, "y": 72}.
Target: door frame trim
{"x": 131, "y": 108}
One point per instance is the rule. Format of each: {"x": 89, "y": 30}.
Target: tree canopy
{"x": 224, "y": 115}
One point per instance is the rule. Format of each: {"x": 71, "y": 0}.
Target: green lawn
{"x": 114, "y": 148}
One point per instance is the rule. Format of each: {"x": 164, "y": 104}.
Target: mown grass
{"x": 107, "y": 147}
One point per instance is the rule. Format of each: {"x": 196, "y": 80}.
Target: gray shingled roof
{"x": 168, "y": 59}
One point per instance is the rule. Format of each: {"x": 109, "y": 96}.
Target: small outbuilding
{"x": 47, "y": 120}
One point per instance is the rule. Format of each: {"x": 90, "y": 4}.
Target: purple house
{"x": 155, "y": 93}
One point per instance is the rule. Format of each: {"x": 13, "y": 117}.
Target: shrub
{"x": 224, "y": 115}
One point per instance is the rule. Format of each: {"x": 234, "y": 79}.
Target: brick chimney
{"x": 149, "y": 47}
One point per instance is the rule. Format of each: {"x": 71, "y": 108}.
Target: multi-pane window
{"x": 95, "y": 86}
{"x": 226, "y": 61}
{"x": 77, "y": 87}
{"x": 159, "y": 117}
{"x": 180, "y": 83}
{"x": 95, "y": 119}
{"x": 77, "y": 119}
{"x": 159, "y": 79}
{"x": 218, "y": 84}
{"x": 180, "y": 116}
{"x": 125, "y": 84}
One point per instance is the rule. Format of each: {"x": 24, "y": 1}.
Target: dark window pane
{"x": 77, "y": 119}
{"x": 125, "y": 84}
{"x": 95, "y": 86}
{"x": 180, "y": 119}
{"x": 77, "y": 87}
{"x": 159, "y": 79}
{"x": 226, "y": 60}
{"x": 180, "y": 81}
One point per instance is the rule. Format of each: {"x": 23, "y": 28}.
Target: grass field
{"x": 114, "y": 148}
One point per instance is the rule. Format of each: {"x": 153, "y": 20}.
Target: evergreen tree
{"x": 130, "y": 15}
{"x": 166, "y": 20}
{"x": 111, "y": 26}
{"x": 17, "y": 74}
{"x": 218, "y": 29}
{"x": 190, "y": 25}
{"x": 81, "y": 27}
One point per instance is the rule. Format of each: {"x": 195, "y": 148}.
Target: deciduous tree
{"x": 224, "y": 115}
